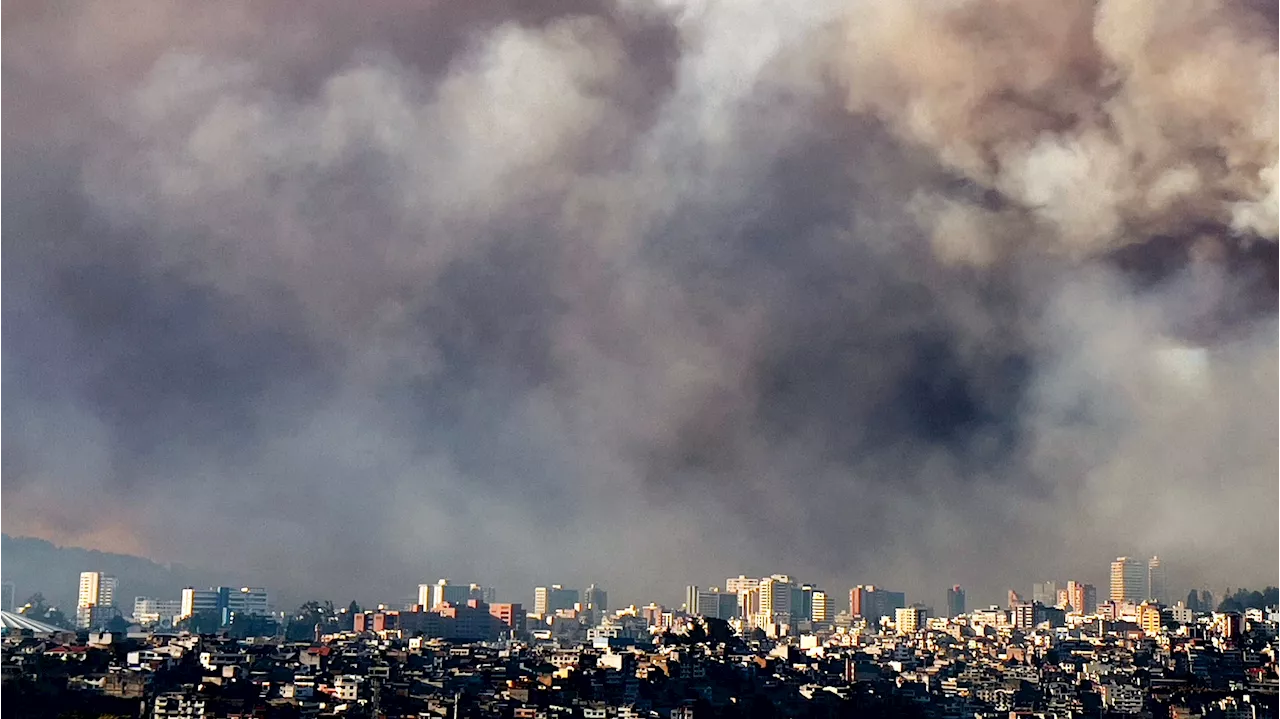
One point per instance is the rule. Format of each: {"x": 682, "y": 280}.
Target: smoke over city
{"x": 358, "y": 295}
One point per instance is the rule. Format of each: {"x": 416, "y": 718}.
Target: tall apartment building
{"x": 1150, "y": 618}
{"x": 1024, "y": 614}
{"x": 749, "y": 604}
{"x": 872, "y": 603}
{"x": 1081, "y": 597}
{"x": 823, "y": 607}
{"x": 1129, "y": 578}
{"x": 909, "y": 619}
{"x": 433, "y": 595}
{"x": 955, "y": 602}
{"x": 96, "y": 599}
{"x": 224, "y": 602}
{"x": 1045, "y": 592}
{"x": 748, "y": 591}
{"x": 596, "y": 599}
{"x": 775, "y": 600}
{"x": 715, "y": 604}
{"x": 802, "y": 602}
{"x": 1157, "y": 591}
{"x": 548, "y": 600}
{"x": 8, "y": 600}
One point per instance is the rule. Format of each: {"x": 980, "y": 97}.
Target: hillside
{"x": 35, "y": 565}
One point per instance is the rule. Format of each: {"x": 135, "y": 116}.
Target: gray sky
{"x": 353, "y": 296}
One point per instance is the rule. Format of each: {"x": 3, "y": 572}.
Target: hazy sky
{"x": 350, "y": 296}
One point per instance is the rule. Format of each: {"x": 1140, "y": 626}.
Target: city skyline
{"x": 546, "y": 598}
{"x": 636, "y": 359}
{"x": 492, "y": 660}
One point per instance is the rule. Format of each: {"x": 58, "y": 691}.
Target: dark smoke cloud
{"x": 917, "y": 294}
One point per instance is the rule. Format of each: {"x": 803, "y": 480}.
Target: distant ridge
{"x": 37, "y": 565}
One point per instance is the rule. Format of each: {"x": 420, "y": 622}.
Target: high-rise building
{"x": 1156, "y": 589}
{"x": 859, "y": 600}
{"x": 95, "y": 602}
{"x": 509, "y": 614}
{"x": 823, "y": 609}
{"x": 1149, "y": 618}
{"x": 1128, "y": 580}
{"x": 691, "y": 599}
{"x": 199, "y": 600}
{"x": 749, "y": 604}
{"x": 1081, "y": 597}
{"x": 748, "y": 591}
{"x": 549, "y": 600}
{"x": 872, "y": 603}
{"x": 8, "y": 601}
{"x": 955, "y": 601}
{"x": 1045, "y": 592}
{"x": 446, "y": 591}
{"x": 909, "y": 619}
{"x": 224, "y": 602}
{"x": 1024, "y": 614}
{"x": 595, "y": 600}
{"x": 245, "y": 601}
{"x": 775, "y": 599}
{"x": 802, "y": 602}
{"x": 715, "y": 604}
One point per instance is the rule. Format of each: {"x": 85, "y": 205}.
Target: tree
{"x": 203, "y": 622}
{"x": 303, "y": 622}
{"x": 1230, "y": 604}
{"x": 36, "y": 607}
{"x": 347, "y": 621}
{"x": 55, "y": 617}
{"x": 118, "y": 625}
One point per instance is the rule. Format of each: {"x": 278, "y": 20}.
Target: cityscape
{"x": 750, "y": 646}
{"x": 643, "y": 359}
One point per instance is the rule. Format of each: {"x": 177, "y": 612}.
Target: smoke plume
{"x": 645, "y": 294}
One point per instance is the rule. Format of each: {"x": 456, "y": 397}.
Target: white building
{"x": 95, "y": 603}
{"x": 248, "y": 601}
{"x": 177, "y": 704}
{"x": 347, "y": 687}
{"x": 433, "y": 595}
{"x": 150, "y": 610}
